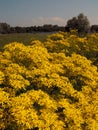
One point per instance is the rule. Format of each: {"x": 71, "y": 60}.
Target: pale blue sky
{"x": 39, "y": 12}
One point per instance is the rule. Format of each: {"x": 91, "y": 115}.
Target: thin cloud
{"x": 49, "y": 20}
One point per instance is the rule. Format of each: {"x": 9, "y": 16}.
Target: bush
{"x": 42, "y": 90}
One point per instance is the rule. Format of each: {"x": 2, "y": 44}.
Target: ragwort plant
{"x": 42, "y": 88}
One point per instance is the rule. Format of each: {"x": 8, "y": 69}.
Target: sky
{"x": 40, "y": 12}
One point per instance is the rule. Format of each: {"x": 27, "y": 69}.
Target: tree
{"x": 81, "y": 23}
{"x": 4, "y": 28}
{"x": 94, "y": 28}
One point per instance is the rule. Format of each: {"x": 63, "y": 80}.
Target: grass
{"x": 25, "y": 38}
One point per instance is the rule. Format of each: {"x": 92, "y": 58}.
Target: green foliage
{"x": 81, "y": 23}
{"x": 25, "y": 38}
{"x": 49, "y": 86}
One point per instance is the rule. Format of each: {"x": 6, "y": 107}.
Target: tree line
{"x": 81, "y": 23}
{"x": 6, "y": 28}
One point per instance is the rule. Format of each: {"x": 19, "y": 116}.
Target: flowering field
{"x": 50, "y": 85}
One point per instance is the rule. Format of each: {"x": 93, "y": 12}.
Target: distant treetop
{"x": 81, "y": 23}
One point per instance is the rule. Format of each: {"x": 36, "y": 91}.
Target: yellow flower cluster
{"x": 50, "y": 85}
